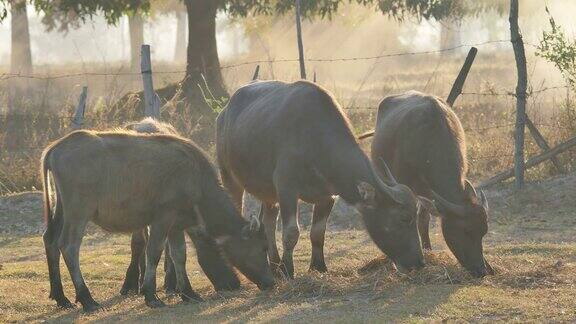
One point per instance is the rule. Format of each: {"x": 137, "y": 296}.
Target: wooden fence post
{"x": 541, "y": 141}
{"x": 459, "y": 82}
{"x": 151, "y": 99}
{"x": 456, "y": 87}
{"x": 533, "y": 161}
{"x": 78, "y": 119}
{"x": 300, "y": 44}
{"x": 520, "y": 56}
{"x": 256, "y": 72}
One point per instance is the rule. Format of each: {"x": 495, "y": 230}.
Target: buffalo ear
{"x": 367, "y": 194}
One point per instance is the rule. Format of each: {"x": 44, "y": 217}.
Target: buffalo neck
{"x": 345, "y": 166}
{"x": 220, "y": 215}
{"x": 447, "y": 180}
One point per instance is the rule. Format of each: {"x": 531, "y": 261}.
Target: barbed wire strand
{"x": 319, "y": 60}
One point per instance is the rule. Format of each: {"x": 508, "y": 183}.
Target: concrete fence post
{"x": 78, "y": 119}
{"x": 151, "y": 99}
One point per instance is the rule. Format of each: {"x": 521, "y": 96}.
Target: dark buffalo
{"x": 423, "y": 141}
{"x": 125, "y": 181}
{"x": 283, "y": 142}
{"x": 220, "y": 274}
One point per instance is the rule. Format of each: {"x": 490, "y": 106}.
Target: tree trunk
{"x": 21, "y": 55}
{"x": 450, "y": 33}
{"x": 202, "y": 57}
{"x": 521, "y": 86}
{"x": 180, "y": 50}
{"x": 136, "y": 26}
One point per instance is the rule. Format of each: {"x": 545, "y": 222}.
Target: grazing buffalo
{"x": 124, "y": 181}
{"x": 208, "y": 254}
{"x": 423, "y": 141}
{"x": 283, "y": 142}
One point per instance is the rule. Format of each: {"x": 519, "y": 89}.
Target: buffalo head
{"x": 248, "y": 253}
{"x": 463, "y": 226}
{"x": 389, "y": 210}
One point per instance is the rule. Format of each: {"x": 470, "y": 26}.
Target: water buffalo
{"x": 283, "y": 142}
{"x": 422, "y": 139}
{"x": 208, "y": 254}
{"x": 124, "y": 181}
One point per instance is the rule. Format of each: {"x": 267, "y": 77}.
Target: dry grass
{"x": 534, "y": 282}
{"x": 44, "y": 108}
{"x": 530, "y": 244}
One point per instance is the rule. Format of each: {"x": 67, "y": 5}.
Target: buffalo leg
{"x": 50, "y": 237}
{"x": 178, "y": 257}
{"x": 288, "y": 199}
{"x": 215, "y": 267}
{"x": 169, "y": 272}
{"x": 424, "y": 229}
{"x": 137, "y": 249}
{"x": 318, "y": 232}
{"x": 142, "y": 260}
{"x": 420, "y": 187}
{"x": 269, "y": 219}
{"x": 69, "y": 244}
{"x": 154, "y": 247}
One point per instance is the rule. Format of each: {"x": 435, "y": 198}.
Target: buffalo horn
{"x": 453, "y": 208}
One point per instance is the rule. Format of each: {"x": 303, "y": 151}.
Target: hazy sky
{"x": 98, "y": 42}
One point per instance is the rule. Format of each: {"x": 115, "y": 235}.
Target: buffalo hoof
{"x": 231, "y": 286}
{"x": 154, "y": 302}
{"x": 318, "y": 266}
{"x": 191, "y": 297}
{"x": 65, "y": 303}
{"x": 170, "y": 290}
{"x": 129, "y": 289}
{"x": 91, "y": 307}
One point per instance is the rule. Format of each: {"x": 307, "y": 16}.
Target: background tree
{"x": 202, "y": 61}
{"x": 174, "y": 8}
{"x": 63, "y": 21}
{"x": 21, "y": 53}
{"x": 202, "y": 54}
{"x": 136, "y": 31}
{"x": 556, "y": 48}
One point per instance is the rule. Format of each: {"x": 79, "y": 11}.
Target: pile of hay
{"x": 440, "y": 268}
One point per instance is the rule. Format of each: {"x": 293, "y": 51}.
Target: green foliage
{"x": 3, "y": 11}
{"x": 398, "y": 9}
{"x": 112, "y": 10}
{"x": 63, "y": 14}
{"x": 216, "y": 104}
{"x": 557, "y": 49}
{"x": 425, "y": 9}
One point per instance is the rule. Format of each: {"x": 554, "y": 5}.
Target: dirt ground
{"x": 531, "y": 243}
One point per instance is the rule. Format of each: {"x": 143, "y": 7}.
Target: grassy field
{"x": 42, "y": 110}
{"x": 531, "y": 244}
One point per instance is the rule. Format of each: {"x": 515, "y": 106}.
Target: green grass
{"x": 534, "y": 282}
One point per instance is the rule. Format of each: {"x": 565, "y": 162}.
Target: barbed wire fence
{"x": 500, "y": 128}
